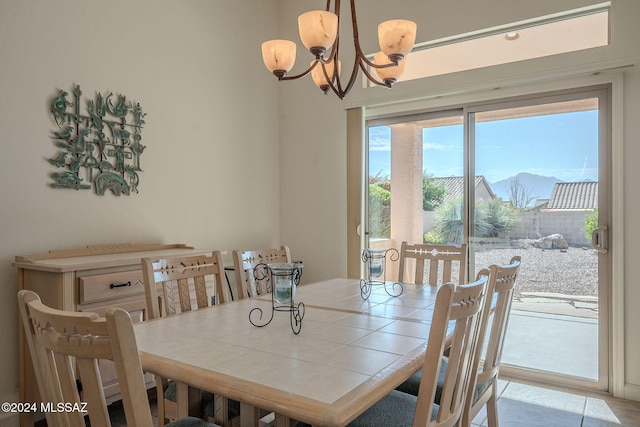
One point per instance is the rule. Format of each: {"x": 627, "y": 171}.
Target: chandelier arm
{"x": 333, "y": 56}
{"x": 358, "y": 51}
{"x": 304, "y": 73}
{"x": 371, "y": 78}
{"x": 335, "y": 88}
{"x": 339, "y": 92}
{"x": 354, "y": 75}
{"x": 374, "y": 65}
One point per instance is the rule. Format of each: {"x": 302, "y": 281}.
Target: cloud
{"x": 436, "y": 146}
{"x": 379, "y": 145}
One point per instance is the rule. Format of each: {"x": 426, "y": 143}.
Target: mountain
{"x": 537, "y": 186}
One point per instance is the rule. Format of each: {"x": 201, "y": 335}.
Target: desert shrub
{"x": 590, "y": 224}
{"x": 434, "y": 238}
{"x": 493, "y": 219}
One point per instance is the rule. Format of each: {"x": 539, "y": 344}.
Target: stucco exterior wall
{"x": 536, "y": 224}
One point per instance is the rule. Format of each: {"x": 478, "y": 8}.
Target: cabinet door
{"x": 107, "y": 368}
{"x": 121, "y": 289}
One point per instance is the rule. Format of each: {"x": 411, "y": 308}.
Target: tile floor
{"x": 524, "y": 405}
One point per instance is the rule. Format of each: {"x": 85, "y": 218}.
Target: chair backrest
{"x": 502, "y": 280}
{"x": 443, "y": 262}
{"x": 179, "y": 275}
{"x": 65, "y": 348}
{"x": 458, "y": 312}
{"x": 244, "y": 262}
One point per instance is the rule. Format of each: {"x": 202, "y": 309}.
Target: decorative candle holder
{"x": 376, "y": 261}
{"x": 280, "y": 280}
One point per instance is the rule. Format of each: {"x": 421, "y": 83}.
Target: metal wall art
{"x": 99, "y": 148}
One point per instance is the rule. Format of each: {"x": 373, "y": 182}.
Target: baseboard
{"x": 632, "y": 392}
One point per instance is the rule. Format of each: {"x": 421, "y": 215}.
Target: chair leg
{"x": 492, "y": 409}
{"x": 160, "y": 401}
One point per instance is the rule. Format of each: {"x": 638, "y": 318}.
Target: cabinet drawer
{"x": 110, "y": 286}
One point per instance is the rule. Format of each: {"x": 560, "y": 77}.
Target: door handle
{"x": 600, "y": 239}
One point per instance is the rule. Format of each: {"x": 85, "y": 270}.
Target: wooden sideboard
{"x": 88, "y": 279}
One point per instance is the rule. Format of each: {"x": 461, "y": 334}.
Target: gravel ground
{"x": 570, "y": 272}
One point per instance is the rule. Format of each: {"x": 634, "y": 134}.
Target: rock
{"x": 554, "y": 241}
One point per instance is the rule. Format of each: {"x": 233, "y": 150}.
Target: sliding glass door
{"x": 526, "y": 177}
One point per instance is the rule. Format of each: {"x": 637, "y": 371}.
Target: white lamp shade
{"x": 318, "y": 75}
{"x": 318, "y": 28}
{"x": 279, "y": 55}
{"x": 397, "y": 36}
{"x": 389, "y": 72}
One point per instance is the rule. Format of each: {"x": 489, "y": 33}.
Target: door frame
{"x": 355, "y": 144}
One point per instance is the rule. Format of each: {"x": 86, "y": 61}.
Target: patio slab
{"x": 562, "y": 344}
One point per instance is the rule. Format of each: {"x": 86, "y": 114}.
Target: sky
{"x": 564, "y": 146}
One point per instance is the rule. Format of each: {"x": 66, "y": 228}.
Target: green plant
{"x": 432, "y": 193}
{"x": 448, "y": 221}
{"x": 379, "y": 196}
{"x": 379, "y": 211}
{"x": 499, "y": 217}
{"x": 434, "y": 238}
{"x": 493, "y": 218}
{"x": 590, "y": 224}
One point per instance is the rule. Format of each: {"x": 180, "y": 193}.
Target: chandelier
{"x": 319, "y": 32}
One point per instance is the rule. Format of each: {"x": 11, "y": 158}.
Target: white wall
{"x": 313, "y": 127}
{"x": 210, "y": 174}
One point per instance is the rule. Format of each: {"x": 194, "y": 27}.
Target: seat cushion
{"x": 481, "y": 388}
{"x": 190, "y": 422}
{"x": 412, "y": 385}
{"x": 396, "y": 409}
{"x": 170, "y": 391}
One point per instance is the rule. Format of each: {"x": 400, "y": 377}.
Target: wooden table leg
{"x": 249, "y": 415}
{"x": 282, "y": 421}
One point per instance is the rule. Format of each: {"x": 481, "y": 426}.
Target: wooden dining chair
{"x": 457, "y": 312}
{"x": 183, "y": 283}
{"x": 443, "y": 262}
{"x": 65, "y": 349}
{"x": 496, "y": 312}
{"x": 177, "y": 278}
{"x": 244, "y": 262}
{"x": 497, "y": 309}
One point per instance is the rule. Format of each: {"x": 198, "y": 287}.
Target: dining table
{"x": 349, "y": 352}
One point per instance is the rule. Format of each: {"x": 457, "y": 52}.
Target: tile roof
{"x": 574, "y": 195}
{"x": 540, "y": 204}
{"x": 455, "y": 184}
